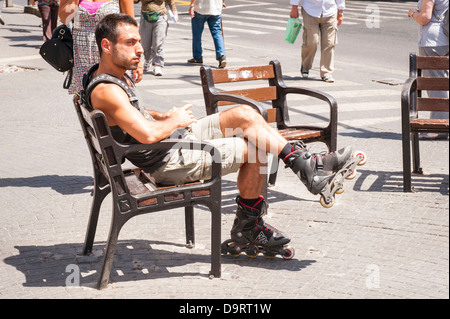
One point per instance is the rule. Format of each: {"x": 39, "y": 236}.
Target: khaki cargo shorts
{"x": 193, "y": 165}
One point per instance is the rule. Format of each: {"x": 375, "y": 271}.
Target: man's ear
{"x": 106, "y": 46}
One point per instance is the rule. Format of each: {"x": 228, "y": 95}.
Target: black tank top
{"x": 149, "y": 161}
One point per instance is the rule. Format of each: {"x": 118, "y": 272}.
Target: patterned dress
{"x": 85, "y": 50}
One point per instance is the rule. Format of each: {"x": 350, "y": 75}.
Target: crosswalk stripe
{"x": 351, "y": 94}
{"x": 315, "y": 108}
{"x": 264, "y": 14}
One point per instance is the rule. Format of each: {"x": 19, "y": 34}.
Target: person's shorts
{"x": 192, "y": 165}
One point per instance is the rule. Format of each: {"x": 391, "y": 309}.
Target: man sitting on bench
{"x": 108, "y": 88}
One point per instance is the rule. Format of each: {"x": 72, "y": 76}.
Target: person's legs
{"x": 216, "y": 32}
{"x": 44, "y": 10}
{"x": 1, "y": 7}
{"x": 310, "y": 40}
{"x": 314, "y": 170}
{"x": 54, "y": 17}
{"x": 198, "y": 24}
{"x": 158, "y": 40}
{"x": 146, "y": 33}
{"x": 328, "y": 40}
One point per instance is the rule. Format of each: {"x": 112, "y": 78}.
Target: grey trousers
{"x": 153, "y": 38}
{"x": 436, "y": 51}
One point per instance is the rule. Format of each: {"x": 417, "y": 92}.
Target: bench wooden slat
{"x": 433, "y": 84}
{"x": 432, "y": 104}
{"x": 257, "y": 94}
{"x": 432, "y": 63}
{"x": 429, "y": 124}
{"x": 290, "y": 134}
{"x": 243, "y": 74}
{"x": 273, "y": 115}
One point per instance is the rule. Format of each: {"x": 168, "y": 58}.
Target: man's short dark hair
{"x": 107, "y": 27}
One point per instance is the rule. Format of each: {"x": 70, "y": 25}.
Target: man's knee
{"x": 241, "y": 120}
{"x": 246, "y": 114}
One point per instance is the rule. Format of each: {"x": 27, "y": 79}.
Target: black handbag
{"x": 58, "y": 52}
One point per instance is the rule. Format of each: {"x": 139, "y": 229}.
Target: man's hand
{"x": 340, "y": 18}
{"x": 183, "y": 116}
{"x": 138, "y": 73}
{"x": 294, "y": 12}
{"x": 411, "y": 12}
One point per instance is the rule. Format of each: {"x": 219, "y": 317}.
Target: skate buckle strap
{"x": 319, "y": 162}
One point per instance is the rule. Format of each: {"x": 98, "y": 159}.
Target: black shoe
{"x": 304, "y": 72}
{"x": 195, "y": 61}
{"x": 222, "y": 61}
{"x": 1, "y": 21}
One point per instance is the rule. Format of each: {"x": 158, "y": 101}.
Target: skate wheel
{"x": 363, "y": 155}
{"x": 352, "y": 175}
{"x": 289, "y": 253}
{"x": 252, "y": 251}
{"x": 341, "y": 190}
{"x": 269, "y": 255}
{"x": 326, "y": 205}
{"x": 234, "y": 250}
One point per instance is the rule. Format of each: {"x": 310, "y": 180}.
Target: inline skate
{"x": 324, "y": 173}
{"x": 252, "y": 235}
{"x": 336, "y": 183}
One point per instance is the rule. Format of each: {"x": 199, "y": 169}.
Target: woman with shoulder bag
{"x": 85, "y": 14}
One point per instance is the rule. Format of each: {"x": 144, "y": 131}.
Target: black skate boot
{"x": 251, "y": 234}
{"x": 315, "y": 170}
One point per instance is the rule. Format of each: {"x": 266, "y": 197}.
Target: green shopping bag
{"x": 293, "y": 28}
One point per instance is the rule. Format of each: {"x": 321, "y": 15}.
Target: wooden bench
{"x": 413, "y": 103}
{"x": 276, "y": 94}
{"x": 134, "y": 191}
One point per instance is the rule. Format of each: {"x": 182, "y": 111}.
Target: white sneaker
{"x": 157, "y": 70}
{"x": 147, "y": 66}
{"x": 328, "y": 79}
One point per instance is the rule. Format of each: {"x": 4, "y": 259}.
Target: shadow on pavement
{"x": 378, "y": 181}
{"x": 61, "y": 265}
{"x": 68, "y": 184}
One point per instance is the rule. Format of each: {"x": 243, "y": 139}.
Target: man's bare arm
{"x": 114, "y": 102}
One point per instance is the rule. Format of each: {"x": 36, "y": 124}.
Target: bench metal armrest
{"x": 318, "y": 95}
{"x": 409, "y": 109}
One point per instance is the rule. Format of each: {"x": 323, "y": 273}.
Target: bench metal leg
{"x": 110, "y": 251}
{"x": 189, "y": 220}
{"x": 416, "y": 153}
{"x": 216, "y": 227}
{"x": 406, "y": 146}
{"x": 98, "y": 197}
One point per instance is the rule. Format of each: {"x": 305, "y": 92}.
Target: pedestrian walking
{"x": 432, "y": 42}
{"x": 85, "y": 14}
{"x": 210, "y": 12}
{"x": 49, "y": 15}
{"x": 153, "y": 30}
{"x": 2, "y": 22}
{"x": 320, "y": 21}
